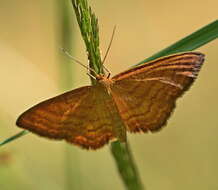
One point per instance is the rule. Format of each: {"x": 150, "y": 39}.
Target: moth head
{"x": 100, "y": 77}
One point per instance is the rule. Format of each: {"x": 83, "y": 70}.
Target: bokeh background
{"x": 181, "y": 156}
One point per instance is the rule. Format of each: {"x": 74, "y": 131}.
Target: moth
{"x": 140, "y": 99}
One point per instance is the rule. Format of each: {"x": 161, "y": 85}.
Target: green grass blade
{"x": 190, "y": 42}
{"x": 12, "y": 138}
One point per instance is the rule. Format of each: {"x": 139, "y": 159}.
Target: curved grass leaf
{"x": 190, "y": 42}
{"x": 12, "y": 138}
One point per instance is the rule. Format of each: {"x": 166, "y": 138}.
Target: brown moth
{"x": 140, "y": 99}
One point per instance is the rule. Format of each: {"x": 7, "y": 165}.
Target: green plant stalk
{"x": 88, "y": 24}
{"x": 65, "y": 68}
{"x": 65, "y": 35}
{"x": 125, "y": 165}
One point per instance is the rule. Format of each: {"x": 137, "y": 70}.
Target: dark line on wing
{"x": 169, "y": 60}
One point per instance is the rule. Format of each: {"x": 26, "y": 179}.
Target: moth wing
{"x": 146, "y": 95}
{"x": 83, "y": 116}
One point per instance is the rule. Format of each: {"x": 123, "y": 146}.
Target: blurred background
{"x": 181, "y": 156}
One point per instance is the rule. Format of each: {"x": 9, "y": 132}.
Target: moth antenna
{"x": 109, "y": 74}
{"x": 106, "y": 70}
{"x": 80, "y": 63}
{"x": 90, "y": 75}
{"x": 112, "y": 37}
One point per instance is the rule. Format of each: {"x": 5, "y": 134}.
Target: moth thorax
{"x": 103, "y": 80}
